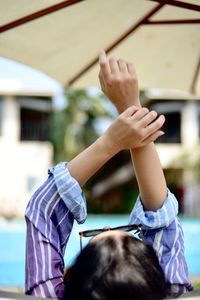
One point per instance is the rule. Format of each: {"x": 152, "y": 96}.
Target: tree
{"x": 190, "y": 161}
{"x": 75, "y": 127}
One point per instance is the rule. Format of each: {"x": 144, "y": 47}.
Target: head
{"x": 115, "y": 265}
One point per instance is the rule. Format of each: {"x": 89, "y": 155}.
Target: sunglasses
{"x": 126, "y": 228}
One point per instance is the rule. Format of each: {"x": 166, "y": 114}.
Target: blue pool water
{"x": 12, "y": 245}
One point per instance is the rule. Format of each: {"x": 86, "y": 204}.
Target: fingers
{"x": 104, "y": 65}
{"x": 113, "y": 66}
{"x": 122, "y": 66}
{"x": 153, "y": 137}
{"x": 146, "y": 119}
{"x": 148, "y": 125}
{"x": 130, "y": 68}
{"x": 149, "y": 118}
{"x": 101, "y": 80}
{"x": 102, "y": 57}
{"x": 129, "y": 112}
{"x": 155, "y": 126}
{"x": 140, "y": 114}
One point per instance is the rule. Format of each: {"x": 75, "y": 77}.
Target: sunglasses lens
{"x": 128, "y": 228}
{"x": 90, "y": 233}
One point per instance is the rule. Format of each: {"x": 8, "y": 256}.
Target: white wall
{"x": 189, "y": 136}
{"x": 23, "y": 164}
{"x": 169, "y": 154}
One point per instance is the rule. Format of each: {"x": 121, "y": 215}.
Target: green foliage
{"x": 131, "y": 193}
{"x": 190, "y": 161}
{"x": 58, "y": 125}
{"x": 74, "y": 128}
{"x": 197, "y": 285}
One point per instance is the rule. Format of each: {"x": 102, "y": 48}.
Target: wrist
{"x": 107, "y": 146}
{"x": 122, "y": 107}
{"x": 143, "y": 149}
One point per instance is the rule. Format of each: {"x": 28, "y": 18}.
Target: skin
{"x": 109, "y": 233}
{"x": 135, "y": 127}
{"x": 119, "y": 83}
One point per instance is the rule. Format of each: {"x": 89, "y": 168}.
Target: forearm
{"x": 88, "y": 162}
{"x": 127, "y": 131}
{"x": 150, "y": 176}
{"x": 119, "y": 82}
{"x": 148, "y": 171}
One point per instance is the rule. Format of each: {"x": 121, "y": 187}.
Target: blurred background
{"x": 51, "y": 108}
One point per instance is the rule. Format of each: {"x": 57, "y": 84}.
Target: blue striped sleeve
{"x": 49, "y": 217}
{"x": 163, "y": 217}
{"x": 163, "y": 231}
{"x": 70, "y": 192}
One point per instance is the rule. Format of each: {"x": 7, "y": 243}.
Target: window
{"x": 172, "y": 126}
{"x": 35, "y": 118}
{"x": 34, "y": 125}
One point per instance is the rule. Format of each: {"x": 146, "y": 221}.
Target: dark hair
{"x": 115, "y": 268}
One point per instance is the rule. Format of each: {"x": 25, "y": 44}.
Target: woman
{"x": 114, "y": 264}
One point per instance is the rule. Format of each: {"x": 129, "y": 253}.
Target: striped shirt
{"x": 50, "y": 215}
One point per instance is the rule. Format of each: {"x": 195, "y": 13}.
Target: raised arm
{"x": 54, "y": 206}
{"x": 131, "y": 129}
{"x": 119, "y": 82}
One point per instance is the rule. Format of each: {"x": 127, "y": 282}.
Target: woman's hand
{"x": 119, "y": 82}
{"x": 134, "y": 128}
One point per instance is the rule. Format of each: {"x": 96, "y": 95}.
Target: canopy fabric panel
{"x": 65, "y": 43}
{"x": 12, "y": 10}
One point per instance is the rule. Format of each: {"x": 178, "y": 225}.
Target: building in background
{"x": 26, "y": 153}
{"x": 182, "y": 135}
{"x": 25, "y": 150}
{"x": 27, "y": 98}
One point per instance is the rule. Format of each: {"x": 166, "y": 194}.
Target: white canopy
{"x": 63, "y": 38}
